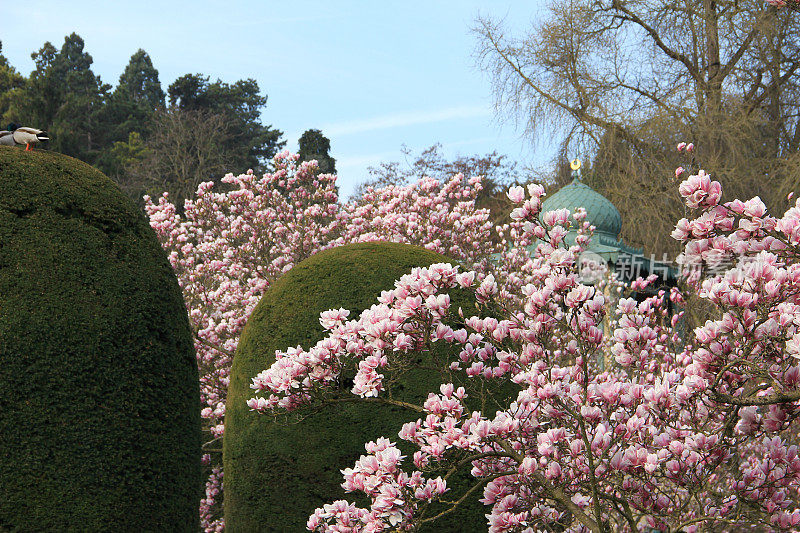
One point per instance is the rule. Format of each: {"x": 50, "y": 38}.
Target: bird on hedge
{"x": 22, "y": 135}
{"x": 6, "y": 138}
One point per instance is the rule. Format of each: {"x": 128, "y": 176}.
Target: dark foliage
{"x": 314, "y": 145}
{"x": 116, "y": 130}
{"x": 99, "y": 411}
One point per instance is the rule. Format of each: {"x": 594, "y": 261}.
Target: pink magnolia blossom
{"x": 616, "y": 420}
{"x": 228, "y": 247}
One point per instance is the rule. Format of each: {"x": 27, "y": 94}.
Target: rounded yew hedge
{"x": 99, "y": 393}
{"x": 276, "y": 473}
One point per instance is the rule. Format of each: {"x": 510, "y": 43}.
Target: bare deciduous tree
{"x": 185, "y": 148}
{"x": 629, "y": 79}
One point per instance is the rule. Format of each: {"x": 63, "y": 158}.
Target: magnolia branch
{"x": 555, "y": 492}
{"x": 211, "y": 345}
{"x": 378, "y": 399}
{"x": 769, "y": 399}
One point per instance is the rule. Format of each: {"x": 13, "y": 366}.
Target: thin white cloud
{"x": 262, "y": 22}
{"x": 411, "y": 118}
{"x": 366, "y": 160}
{"x": 479, "y": 140}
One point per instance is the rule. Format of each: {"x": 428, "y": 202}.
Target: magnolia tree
{"x": 228, "y": 246}
{"x": 683, "y": 432}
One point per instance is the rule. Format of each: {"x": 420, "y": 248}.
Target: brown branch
{"x": 469, "y": 459}
{"x": 580, "y": 114}
{"x": 778, "y": 397}
{"x": 740, "y": 52}
{"x": 212, "y": 345}
{"x": 378, "y": 399}
{"x": 755, "y": 102}
{"x": 626, "y": 513}
{"x": 555, "y": 492}
{"x": 652, "y": 97}
{"x": 633, "y": 17}
{"x": 458, "y": 502}
{"x": 212, "y": 441}
{"x": 590, "y": 459}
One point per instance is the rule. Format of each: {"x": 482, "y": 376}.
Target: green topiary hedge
{"x": 277, "y": 474}
{"x": 99, "y": 394}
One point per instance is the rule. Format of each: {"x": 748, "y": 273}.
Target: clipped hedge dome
{"x": 277, "y": 474}
{"x": 99, "y": 393}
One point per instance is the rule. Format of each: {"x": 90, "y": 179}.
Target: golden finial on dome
{"x": 575, "y": 165}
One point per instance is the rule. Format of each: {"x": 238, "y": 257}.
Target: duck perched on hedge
{"x": 22, "y": 135}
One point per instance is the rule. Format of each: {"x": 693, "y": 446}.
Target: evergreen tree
{"x": 121, "y": 158}
{"x": 130, "y": 109}
{"x": 11, "y": 82}
{"x": 36, "y": 104}
{"x": 139, "y": 82}
{"x": 64, "y": 97}
{"x": 314, "y": 145}
{"x": 217, "y": 126}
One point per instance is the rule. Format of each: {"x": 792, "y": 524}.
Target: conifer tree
{"x": 11, "y": 82}
{"x": 314, "y": 145}
{"x": 64, "y": 97}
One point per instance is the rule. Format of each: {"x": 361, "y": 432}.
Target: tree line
{"x": 146, "y": 139}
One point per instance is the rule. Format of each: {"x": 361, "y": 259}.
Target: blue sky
{"x": 371, "y": 75}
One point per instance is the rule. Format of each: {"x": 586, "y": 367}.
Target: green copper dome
{"x": 600, "y": 212}
{"x": 628, "y": 262}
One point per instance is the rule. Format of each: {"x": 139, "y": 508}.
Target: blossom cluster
{"x": 227, "y": 246}
{"x": 615, "y": 418}
{"x": 441, "y": 217}
{"x": 396, "y": 495}
{"x": 792, "y": 4}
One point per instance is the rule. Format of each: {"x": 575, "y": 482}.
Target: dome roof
{"x": 600, "y": 212}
